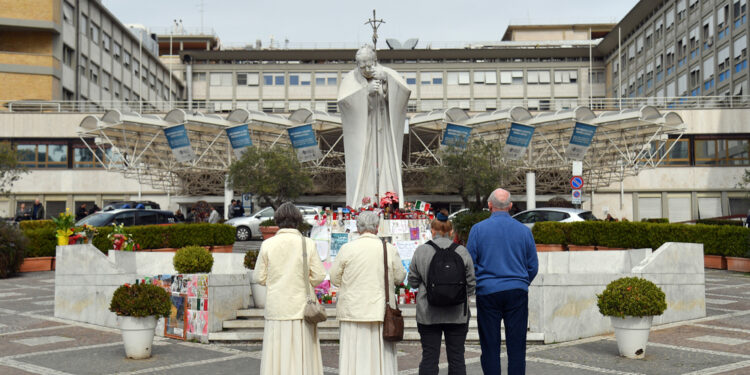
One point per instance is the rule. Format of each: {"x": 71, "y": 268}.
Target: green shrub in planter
{"x": 193, "y": 259}
{"x": 41, "y": 242}
{"x": 268, "y": 223}
{"x": 250, "y": 258}
{"x": 12, "y": 249}
{"x": 550, "y": 232}
{"x": 631, "y": 296}
{"x": 462, "y": 223}
{"x": 659, "y": 220}
{"x": 140, "y": 301}
{"x": 35, "y": 224}
{"x": 719, "y": 222}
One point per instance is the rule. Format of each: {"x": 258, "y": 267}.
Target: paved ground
{"x": 32, "y": 341}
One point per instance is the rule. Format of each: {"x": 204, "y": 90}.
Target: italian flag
{"x": 422, "y": 206}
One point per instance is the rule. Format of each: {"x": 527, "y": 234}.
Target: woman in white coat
{"x": 359, "y": 272}
{"x": 290, "y": 345}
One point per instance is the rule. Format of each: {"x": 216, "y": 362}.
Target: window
{"x": 94, "y": 33}
{"x": 152, "y": 81}
{"x": 571, "y": 76}
{"x": 243, "y": 79}
{"x": 431, "y": 78}
{"x": 83, "y": 25}
{"x": 649, "y": 38}
{"x": 106, "y": 41}
{"x": 682, "y": 84}
{"x": 68, "y": 12}
{"x": 299, "y": 79}
{"x": 458, "y": 78}
{"x": 105, "y": 80}
{"x": 659, "y": 29}
{"x": 681, "y": 10}
{"x": 695, "y": 43}
{"x": 739, "y": 10}
{"x": 126, "y": 93}
{"x": 597, "y": 76}
{"x": 721, "y": 25}
{"x": 43, "y": 154}
{"x": 84, "y": 158}
{"x": 68, "y": 56}
{"x": 708, "y": 32}
{"x": 708, "y": 73}
{"x": 326, "y": 79}
{"x": 83, "y": 66}
{"x": 411, "y": 79}
{"x": 199, "y": 77}
{"x": 273, "y": 79}
{"x": 679, "y": 154}
{"x": 126, "y": 59}
{"x": 116, "y": 51}
{"x": 136, "y": 68}
{"x": 221, "y": 79}
{"x": 669, "y": 18}
{"x": 721, "y": 152}
{"x": 695, "y": 76}
{"x": 639, "y": 44}
{"x": 94, "y": 73}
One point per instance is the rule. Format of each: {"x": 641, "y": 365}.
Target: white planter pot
{"x": 137, "y": 335}
{"x": 259, "y": 294}
{"x": 632, "y": 335}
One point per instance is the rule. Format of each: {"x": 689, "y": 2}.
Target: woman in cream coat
{"x": 358, "y": 271}
{"x": 290, "y": 345}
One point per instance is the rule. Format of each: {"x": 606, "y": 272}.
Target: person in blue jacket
{"x": 505, "y": 262}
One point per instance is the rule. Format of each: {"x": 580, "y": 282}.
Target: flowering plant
{"x": 389, "y": 198}
{"x": 64, "y": 223}
{"x": 122, "y": 240}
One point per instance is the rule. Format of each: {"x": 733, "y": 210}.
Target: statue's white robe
{"x": 373, "y": 127}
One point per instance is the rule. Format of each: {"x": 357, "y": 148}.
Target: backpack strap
{"x": 434, "y": 245}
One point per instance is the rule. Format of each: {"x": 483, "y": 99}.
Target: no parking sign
{"x": 575, "y": 196}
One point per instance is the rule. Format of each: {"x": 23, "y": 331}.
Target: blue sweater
{"x": 504, "y": 254}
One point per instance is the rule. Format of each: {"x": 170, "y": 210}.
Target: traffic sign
{"x": 576, "y": 182}
{"x": 575, "y": 196}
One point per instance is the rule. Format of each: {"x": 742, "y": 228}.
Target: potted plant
{"x": 268, "y": 228}
{"x": 121, "y": 239}
{"x": 137, "y": 307}
{"x": 258, "y": 291}
{"x": 631, "y": 303}
{"x": 193, "y": 259}
{"x": 64, "y": 226}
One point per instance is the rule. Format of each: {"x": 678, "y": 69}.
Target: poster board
{"x": 176, "y": 323}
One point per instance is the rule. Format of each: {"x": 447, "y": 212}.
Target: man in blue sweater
{"x": 505, "y": 260}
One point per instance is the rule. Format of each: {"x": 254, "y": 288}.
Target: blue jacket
{"x": 504, "y": 254}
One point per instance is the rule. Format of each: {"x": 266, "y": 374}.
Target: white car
{"x": 248, "y": 227}
{"x": 563, "y": 215}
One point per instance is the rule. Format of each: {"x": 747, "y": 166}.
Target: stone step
{"x": 406, "y": 311}
{"x": 330, "y": 323}
{"x": 332, "y": 334}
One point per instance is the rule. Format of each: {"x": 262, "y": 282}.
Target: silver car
{"x": 248, "y": 227}
{"x": 564, "y": 215}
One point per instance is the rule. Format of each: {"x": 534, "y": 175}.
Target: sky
{"x": 341, "y": 23}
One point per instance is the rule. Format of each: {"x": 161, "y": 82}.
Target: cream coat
{"x": 279, "y": 268}
{"x": 358, "y": 272}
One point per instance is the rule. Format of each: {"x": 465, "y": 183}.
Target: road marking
{"x": 579, "y": 366}
{"x": 34, "y": 369}
{"x": 720, "y": 369}
{"x": 715, "y": 301}
{"x": 739, "y": 330}
{"x": 719, "y": 340}
{"x": 696, "y": 350}
{"x": 44, "y": 340}
{"x": 34, "y": 330}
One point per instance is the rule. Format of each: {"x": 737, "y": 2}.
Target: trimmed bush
{"x": 35, "y": 224}
{"x": 719, "y": 222}
{"x": 193, "y": 259}
{"x": 12, "y": 249}
{"x": 41, "y": 242}
{"x": 140, "y": 301}
{"x": 550, "y": 232}
{"x": 631, "y": 296}
{"x": 250, "y": 258}
{"x": 462, "y": 223}
{"x": 660, "y": 220}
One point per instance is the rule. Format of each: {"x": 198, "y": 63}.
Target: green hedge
{"x": 42, "y": 241}
{"x": 35, "y": 224}
{"x": 716, "y": 239}
{"x": 719, "y": 222}
{"x": 462, "y": 223}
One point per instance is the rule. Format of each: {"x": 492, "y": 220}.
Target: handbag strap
{"x": 387, "y": 281}
{"x": 305, "y": 269}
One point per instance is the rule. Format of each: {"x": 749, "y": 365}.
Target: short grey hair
{"x": 497, "y": 203}
{"x": 368, "y": 222}
{"x": 287, "y": 216}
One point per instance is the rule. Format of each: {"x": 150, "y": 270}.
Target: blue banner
{"x": 456, "y": 135}
{"x": 177, "y": 138}
{"x": 519, "y": 137}
{"x": 302, "y": 136}
{"x": 580, "y": 141}
{"x": 239, "y": 137}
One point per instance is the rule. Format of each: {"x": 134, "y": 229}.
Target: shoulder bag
{"x": 314, "y": 312}
{"x": 393, "y": 321}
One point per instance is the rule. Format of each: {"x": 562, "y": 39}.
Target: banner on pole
{"x": 456, "y": 135}
{"x": 239, "y": 137}
{"x": 580, "y": 141}
{"x": 303, "y": 140}
{"x": 518, "y": 141}
{"x": 178, "y": 141}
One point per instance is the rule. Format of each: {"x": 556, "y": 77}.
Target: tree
{"x": 472, "y": 172}
{"x": 274, "y": 175}
{"x": 10, "y": 168}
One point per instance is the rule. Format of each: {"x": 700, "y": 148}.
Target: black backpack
{"x": 446, "y": 278}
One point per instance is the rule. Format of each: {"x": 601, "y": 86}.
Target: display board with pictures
{"x": 190, "y": 301}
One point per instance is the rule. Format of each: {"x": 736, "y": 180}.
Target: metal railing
{"x": 534, "y": 104}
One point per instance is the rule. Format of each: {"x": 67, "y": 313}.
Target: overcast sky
{"x": 332, "y": 23}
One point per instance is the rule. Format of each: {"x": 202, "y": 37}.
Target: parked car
{"x": 564, "y": 215}
{"x": 128, "y": 217}
{"x": 132, "y": 204}
{"x": 248, "y": 227}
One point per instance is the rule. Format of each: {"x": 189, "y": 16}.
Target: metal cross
{"x": 375, "y": 24}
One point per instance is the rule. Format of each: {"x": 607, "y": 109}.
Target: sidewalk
{"x": 32, "y": 341}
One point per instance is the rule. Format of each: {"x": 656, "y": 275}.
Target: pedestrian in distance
{"x": 214, "y": 217}
{"x": 37, "y": 210}
{"x": 81, "y": 212}
{"x": 178, "y": 216}
{"x": 236, "y": 209}
{"x": 24, "y": 213}
{"x": 230, "y": 209}
{"x": 290, "y": 343}
{"x": 359, "y": 272}
{"x": 505, "y": 263}
{"x": 444, "y": 274}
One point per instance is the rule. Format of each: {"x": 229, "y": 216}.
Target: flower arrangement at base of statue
{"x": 121, "y": 239}
{"x": 64, "y": 224}
{"x": 82, "y": 235}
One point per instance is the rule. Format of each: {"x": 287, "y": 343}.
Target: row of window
{"x": 61, "y": 154}
{"x": 704, "y": 151}
{"x": 515, "y": 77}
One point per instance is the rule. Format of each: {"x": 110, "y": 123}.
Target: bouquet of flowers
{"x": 122, "y": 240}
{"x": 64, "y": 223}
{"x": 389, "y": 199}
{"x": 81, "y": 235}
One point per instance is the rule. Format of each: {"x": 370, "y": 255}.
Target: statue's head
{"x": 366, "y": 61}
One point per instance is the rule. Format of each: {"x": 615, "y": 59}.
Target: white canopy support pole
{"x": 530, "y": 190}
